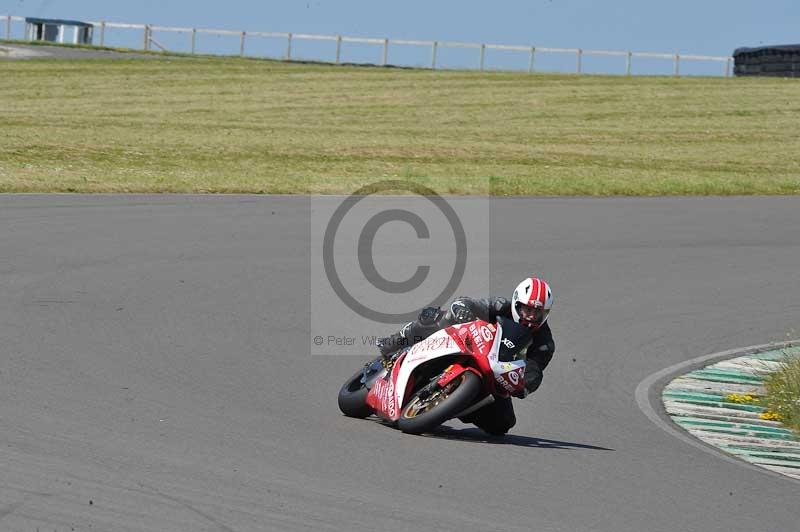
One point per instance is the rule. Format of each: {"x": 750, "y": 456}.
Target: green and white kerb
{"x": 717, "y": 405}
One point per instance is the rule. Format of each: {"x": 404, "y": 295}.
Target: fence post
{"x": 533, "y": 58}
{"x": 483, "y": 55}
{"x": 338, "y": 48}
{"x": 728, "y": 68}
{"x": 580, "y": 57}
{"x": 241, "y": 44}
{"x": 146, "y": 37}
{"x": 102, "y": 33}
{"x": 677, "y": 65}
{"x": 433, "y": 54}
{"x": 289, "y": 47}
{"x": 628, "y": 63}
{"x": 8, "y": 27}
{"x": 194, "y": 39}
{"x": 385, "y": 51}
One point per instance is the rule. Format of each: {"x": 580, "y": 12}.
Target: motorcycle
{"x": 452, "y": 373}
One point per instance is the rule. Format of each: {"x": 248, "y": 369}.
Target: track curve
{"x": 650, "y": 401}
{"x": 154, "y": 371}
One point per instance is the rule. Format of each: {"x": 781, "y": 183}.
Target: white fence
{"x": 147, "y": 41}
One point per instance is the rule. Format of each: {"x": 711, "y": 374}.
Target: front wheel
{"x": 422, "y": 414}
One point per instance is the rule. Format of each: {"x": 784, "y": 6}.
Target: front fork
{"x": 454, "y": 370}
{"x": 451, "y": 373}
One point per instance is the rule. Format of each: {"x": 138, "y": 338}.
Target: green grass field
{"x": 237, "y": 125}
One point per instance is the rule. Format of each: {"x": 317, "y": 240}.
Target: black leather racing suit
{"x": 498, "y": 417}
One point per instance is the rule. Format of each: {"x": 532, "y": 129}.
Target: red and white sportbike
{"x": 450, "y": 374}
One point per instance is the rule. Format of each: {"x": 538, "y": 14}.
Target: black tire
{"x": 353, "y": 397}
{"x": 468, "y": 385}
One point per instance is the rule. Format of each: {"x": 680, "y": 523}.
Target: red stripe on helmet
{"x": 535, "y": 289}
{"x": 545, "y": 289}
{"x": 538, "y": 291}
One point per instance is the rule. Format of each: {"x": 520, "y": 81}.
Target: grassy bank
{"x": 239, "y": 125}
{"x": 783, "y": 393}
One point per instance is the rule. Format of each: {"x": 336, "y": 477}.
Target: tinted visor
{"x": 531, "y": 315}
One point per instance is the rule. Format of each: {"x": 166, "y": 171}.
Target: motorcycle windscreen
{"x": 515, "y": 340}
{"x": 509, "y": 373}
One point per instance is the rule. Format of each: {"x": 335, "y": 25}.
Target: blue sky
{"x": 705, "y": 27}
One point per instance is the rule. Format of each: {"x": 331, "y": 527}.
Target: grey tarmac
{"x": 43, "y": 51}
{"x": 155, "y": 372}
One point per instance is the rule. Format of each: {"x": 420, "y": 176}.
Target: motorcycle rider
{"x": 529, "y": 306}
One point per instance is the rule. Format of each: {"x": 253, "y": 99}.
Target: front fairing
{"x": 507, "y": 357}
{"x": 499, "y": 351}
{"x": 388, "y": 394}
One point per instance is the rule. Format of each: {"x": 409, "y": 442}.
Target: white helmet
{"x": 531, "y": 303}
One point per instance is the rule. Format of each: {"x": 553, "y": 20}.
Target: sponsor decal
{"x": 491, "y": 327}
{"x": 434, "y": 343}
{"x": 477, "y": 339}
{"x": 385, "y": 391}
{"x": 390, "y": 406}
{"x": 387, "y": 398}
{"x": 480, "y": 336}
{"x": 508, "y": 343}
{"x": 379, "y": 388}
{"x": 513, "y": 376}
{"x": 504, "y": 383}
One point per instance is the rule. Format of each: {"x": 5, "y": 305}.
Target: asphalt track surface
{"x": 155, "y": 375}
{"x": 40, "y": 51}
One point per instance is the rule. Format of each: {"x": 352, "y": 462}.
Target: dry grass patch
{"x": 239, "y": 125}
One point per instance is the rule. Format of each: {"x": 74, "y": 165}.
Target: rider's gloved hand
{"x": 460, "y": 312}
{"x": 533, "y": 376}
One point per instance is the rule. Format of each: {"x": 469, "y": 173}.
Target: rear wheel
{"x": 426, "y": 411}
{"x": 353, "y": 394}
